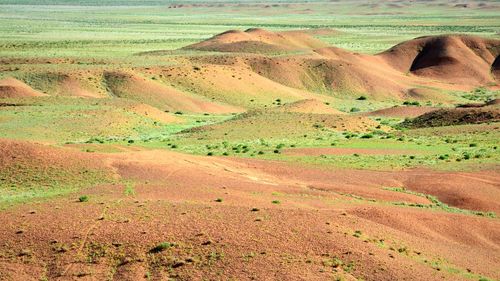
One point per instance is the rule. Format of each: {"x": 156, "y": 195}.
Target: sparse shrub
{"x": 443, "y": 157}
{"x": 95, "y": 140}
{"x": 414, "y": 103}
{"x": 367, "y": 136}
{"x": 318, "y": 126}
{"x": 219, "y": 200}
{"x": 354, "y": 109}
{"x": 277, "y": 151}
{"x": 260, "y": 152}
{"x": 362, "y": 98}
{"x": 403, "y": 250}
{"x": 276, "y": 202}
{"x": 473, "y": 145}
{"x": 178, "y": 112}
{"x": 161, "y": 247}
{"x": 210, "y": 153}
{"x": 83, "y": 198}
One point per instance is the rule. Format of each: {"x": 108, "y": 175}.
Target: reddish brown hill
{"x": 456, "y": 116}
{"x": 334, "y": 71}
{"x": 256, "y": 40}
{"x": 13, "y": 88}
{"x": 440, "y": 64}
{"x": 132, "y": 86}
{"x": 451, "y": 58}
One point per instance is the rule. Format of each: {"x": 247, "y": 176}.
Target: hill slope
{"x": 13, "y": 88}
{"x": 135, "y": 87}
{"x": 256, "y": 40}
{"x": 452, "y": 58}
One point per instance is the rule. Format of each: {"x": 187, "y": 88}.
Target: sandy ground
{"x": 323, "y": 224}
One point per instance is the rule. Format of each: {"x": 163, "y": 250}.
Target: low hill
{"x": 13, "y": 88}
{"x": 269, "y": 124}
{"x": 72, "y": 83}
{"x": 233, "y": 83}
{"x": 453, "y": 58}
{"x": 256, "y": 40}
{"x": 455, "y": 116}
{"x": 341, "y": 73}
{"x": 134, "y": 87}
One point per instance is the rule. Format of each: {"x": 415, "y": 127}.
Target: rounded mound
{"x": 257, "y": 40}
{"x": 13, "y": 88}
{"x": 455, "y": 116}
{"x": 453, "y": 58}
{"x": 134, "y": 87}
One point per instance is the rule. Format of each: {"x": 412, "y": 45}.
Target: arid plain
{"x": 244, "y": 140}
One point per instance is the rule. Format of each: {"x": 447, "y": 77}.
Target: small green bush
{"x": 443, "y": 157}
{"x": 161, "y": 247}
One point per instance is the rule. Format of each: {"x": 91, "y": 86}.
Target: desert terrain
{"x": 249, "y": 140}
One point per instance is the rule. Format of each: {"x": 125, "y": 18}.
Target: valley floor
{"x": 168, "y": 215}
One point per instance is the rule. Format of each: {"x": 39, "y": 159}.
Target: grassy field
{"x": 118, "y": 29}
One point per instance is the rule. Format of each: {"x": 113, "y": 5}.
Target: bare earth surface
{"x": 322, "y": 224}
